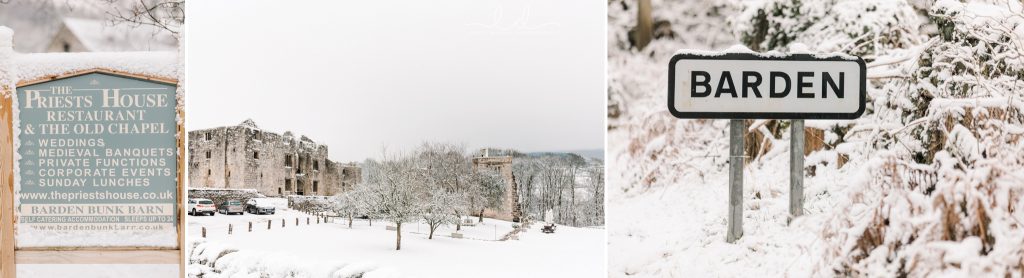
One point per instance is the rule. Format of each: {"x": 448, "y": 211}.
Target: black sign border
{"x": 764, "y": 115}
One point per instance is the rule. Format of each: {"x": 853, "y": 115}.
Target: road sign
{"x": 739, "y": 86}
{"x": 756, "y": 86}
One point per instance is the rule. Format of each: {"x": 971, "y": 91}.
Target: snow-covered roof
{"x": 17, "y": 67}
{"x": 102, "y": 35}
{"x": 40, "y": 65}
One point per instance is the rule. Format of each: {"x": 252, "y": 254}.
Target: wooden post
{"x": 282, "y": 222}
{"x": 204, "y": 232}
{"x": 268, "y": 224}
{"x": 318, "y": 220}
{"x": 296, "y": 221}
{"x": 307, "y": 221}
{"x": 230, "y": 227}
{"x": 7, "y": 266}
{"x": 250, "y": 226}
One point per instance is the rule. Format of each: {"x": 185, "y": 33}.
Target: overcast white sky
{"x": 360, "y": 75}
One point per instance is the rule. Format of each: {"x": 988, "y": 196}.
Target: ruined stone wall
{"x": 236, "y": 154}
{"x": 244, "y": 156}
{"x": 206, "y": 171}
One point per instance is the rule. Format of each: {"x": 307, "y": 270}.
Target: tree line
{"x": 437, "y": 184}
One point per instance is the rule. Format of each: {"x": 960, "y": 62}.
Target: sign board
{"x": 96, "y": 163}
{"x": 754, "y": 86}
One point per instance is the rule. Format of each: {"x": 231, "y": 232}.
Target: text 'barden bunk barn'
{"x": 245, "y": 157}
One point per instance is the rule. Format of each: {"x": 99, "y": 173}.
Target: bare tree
{"x": 393, "y": 188}
{"x": 164, "y": 14}
{"x": 436, "y": 209}
{"x": 346, "y": 204}
{"x": 487, "y": 191}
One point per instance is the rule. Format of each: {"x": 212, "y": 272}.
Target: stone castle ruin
{"x": 496, "y": 160}
{"x": 246, "y": 157}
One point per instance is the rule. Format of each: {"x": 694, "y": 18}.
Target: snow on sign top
{"x": 740, "y": 84}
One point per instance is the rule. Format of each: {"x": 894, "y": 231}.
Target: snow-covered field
{"x": 335, "y": 250}
{"x": 678, "y": 229}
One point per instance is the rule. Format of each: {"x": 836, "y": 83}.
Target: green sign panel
{"x": 96, "y": 163}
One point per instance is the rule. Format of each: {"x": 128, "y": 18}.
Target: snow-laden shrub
{"x": 853, "y": 27}
{"x": 311, "y": 203}
{"x": 948, "y": 196}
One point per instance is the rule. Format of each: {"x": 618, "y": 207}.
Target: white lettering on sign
{"x": 750, "y": 86}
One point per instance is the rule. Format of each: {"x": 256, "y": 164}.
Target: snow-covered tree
{"x": 438, "y": 206}
{"x": 393, "y": 188}
{"x": 449, "y": 169}
{"x": 486, "y": 191}
{"x": 347, "y": 205}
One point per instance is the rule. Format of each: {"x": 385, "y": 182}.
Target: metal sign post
{"x": 740, "y": 86}
{"x": 737, "y": 128}
{"x": 796, "y": 169}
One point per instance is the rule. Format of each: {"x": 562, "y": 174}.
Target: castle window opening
{"x": 256, "y": 155}
{"x": 288, "y": 185}
{"x": 207, "y": 154}
{"x": 316, "y": 184}
{"x": 209, "y": 136}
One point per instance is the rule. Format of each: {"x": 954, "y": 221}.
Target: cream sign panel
{"x": 751, "y": 86}
{"x": 96, "y": 163}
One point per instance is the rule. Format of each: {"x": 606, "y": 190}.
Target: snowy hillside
{"x": 927, "y": 183}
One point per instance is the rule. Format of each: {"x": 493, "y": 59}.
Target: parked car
{"x": 200, "y": 206}
{"x": 254, "y": 206}
{"x": 230, "y": 207}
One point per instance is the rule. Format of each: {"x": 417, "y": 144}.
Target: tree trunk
{"x": 432, "y": 227}
{"x": 349, "y": 221}
{"x": 644, "y": 28}
{"x": 481, "y": 215}
{"x": 398, "y": 238}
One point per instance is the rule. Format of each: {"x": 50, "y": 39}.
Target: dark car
{"x": 254, "y": 206}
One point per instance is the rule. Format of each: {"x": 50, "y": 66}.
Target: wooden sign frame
{"x": 9, "y": 257}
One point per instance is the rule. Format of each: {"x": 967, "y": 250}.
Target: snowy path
{"x": 320, "y": 250}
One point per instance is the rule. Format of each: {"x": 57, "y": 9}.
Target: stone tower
{"x": 502, "y": 163}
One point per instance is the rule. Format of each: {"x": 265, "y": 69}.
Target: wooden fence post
{"x": 268, "y": 224}
{"x": 250, "y": 226}
{"x": 307, "y": 221}
{"x": 204, "y": 232}
{"x": 230, "y": 227}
